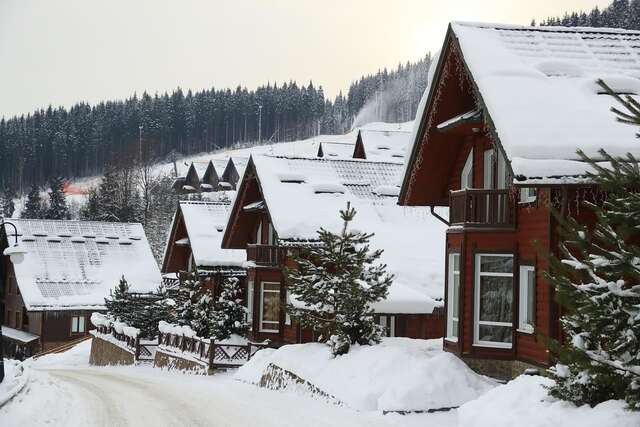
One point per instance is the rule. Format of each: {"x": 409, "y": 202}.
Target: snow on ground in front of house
{"x": 12, "y": 376}
{"x": 76, "y": 357}
{"x": 525, "y": 402}
{"x": 397, "y": 375}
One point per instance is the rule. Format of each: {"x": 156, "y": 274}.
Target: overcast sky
{"x": 61, "y": 52}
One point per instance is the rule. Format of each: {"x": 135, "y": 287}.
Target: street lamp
{"x": 16, "y": 255}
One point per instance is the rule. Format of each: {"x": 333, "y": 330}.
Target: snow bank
{"x": 99, "y": 319}
{"x": 526, "y": 399}
{"x": 400, "y": 374}
{"x": 76, "y": 357}
{"x": 15, "y": 378}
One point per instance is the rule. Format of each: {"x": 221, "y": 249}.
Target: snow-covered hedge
{"x": 525, "y": 400}
{"x": 400, "y": 374}
{"x": 98, "y": 319}
{"x": 169, "y": 328}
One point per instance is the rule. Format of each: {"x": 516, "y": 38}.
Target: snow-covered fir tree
{"x": 598, "y": 282}
{"x": 33, "y": 207}
{"x": 196, "y": 306}
{"x": 230, "y": 315}
{"x": 58, "y": 208}
{"x": 118, "y": 303}
{"x": 8, "y": 207}
{"x": 336, "y": 283}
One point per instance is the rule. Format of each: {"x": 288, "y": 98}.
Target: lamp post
{"x": 16, "y": 255}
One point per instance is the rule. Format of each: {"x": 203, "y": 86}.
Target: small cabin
{"x": 495, "y": 141}
{"x": 283, "y": 201}
{"x": 69, "y": 269}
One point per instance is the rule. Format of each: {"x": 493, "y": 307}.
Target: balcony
{"x": 482, "y": 208}
{"x": 266, "y": 255}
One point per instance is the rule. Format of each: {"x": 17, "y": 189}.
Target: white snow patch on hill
{"x": 400, "y": 374}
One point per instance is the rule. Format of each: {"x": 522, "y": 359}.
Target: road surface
{"x": 143, "y": 396}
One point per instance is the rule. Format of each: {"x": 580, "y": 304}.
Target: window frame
{"x": 524, "y": 300}
{"x": 525, "y": 198}
{"x": 250, "y": 295}
{"x": 259, "y": 232}
{"x": 451, "y": 273}
{"x": 287, "y": 301}
{"x": 476, "y": 302}
{"x": 77, "y": 330}
{"x": 262, "y": 293}
{"x": 467, "y": 172}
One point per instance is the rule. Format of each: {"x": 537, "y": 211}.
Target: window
{"x": 493, "y": 312}
{"x": 287, "y": 316}
{"x": 466, "y": 177}
{"x": 250, "y": 290}
{"x": 269, "y": 307}
{"x": 527, "y": 312}
{"x": 527, "y": 195}
{"x": 389, "y": 325}
{"x": 25, "y": 318}
{"x": 272, "y": 235}
{"x": 502, "y": 172}
{"x": 453, "y": 297}
{"x": 77, "y": 324}
{"x": 259, "y": 233}
{"x": 487, "y": 169}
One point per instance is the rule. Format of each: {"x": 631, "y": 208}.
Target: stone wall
{"x": 105, "y": 353}
{"x": 171, "y": 361}
{"x": 277, "y": 378}
{"x": 500, "y": 369}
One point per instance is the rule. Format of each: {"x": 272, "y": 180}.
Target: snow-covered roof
{"x": 200, "y": 167}
{"x": 558, "y": 108}
{"x": 74, "y": 264}
{"x": 205, "y": 223}
{"x": 386, "y": 144}
{"x": 410, "y": 236}
{"x": 18, "y": 335}
{"x": 340, "y": 150}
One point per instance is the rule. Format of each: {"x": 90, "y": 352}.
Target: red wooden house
{"x": 69, "y": 268}
{"x": 283, "y": 201}
{"x": 194, "y": 243}
{"x": 495, "y": 139}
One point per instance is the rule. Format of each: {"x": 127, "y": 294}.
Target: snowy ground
{"x": 65, "y": 391}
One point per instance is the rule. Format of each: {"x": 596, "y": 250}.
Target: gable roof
{"x": 75, "y": 264}
{"x": 537, "y": 90}
{"x": 304, "y": 194}
{"x": 340, "y": 150}
{"x": 205, "y": 222}
{"x": 385, "y": 144}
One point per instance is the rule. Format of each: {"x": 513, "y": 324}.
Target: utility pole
{"x": 140, "y": 142}
{"x": 259, "y": 124}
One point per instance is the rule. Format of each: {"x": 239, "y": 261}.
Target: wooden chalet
{"x": 190, "y": 183}
{"x": 69, "y": 268}
{"x": 495, "y": 140}
{"x": 194, "y": 245}
{"x": 283, "y": 201}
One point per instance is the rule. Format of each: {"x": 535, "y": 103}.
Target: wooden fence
{"x": 214, "y": 355}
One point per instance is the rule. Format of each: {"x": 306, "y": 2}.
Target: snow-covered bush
{"x": 334, "y": 285}
{"x": 230, "y": 314}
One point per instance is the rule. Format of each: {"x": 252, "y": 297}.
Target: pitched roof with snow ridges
{"x": 74, "y": 264}
{"x": 205, "y": 222}
{"x": 537, "y": 85}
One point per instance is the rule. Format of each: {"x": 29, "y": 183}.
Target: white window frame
{"x": 502, "y": 171}
{"x": 287, "y": 316}
{"x": 259, "y": 233}
{"x": 452, "y": 332}
{"x": 392, "y": 326}
{"x": 476, "y": 304}
{"x": 466, "y": 176}
{"x": 487, "y": 169}
{"x": 528, "y": 195}
{"x": 262, "y": 292}
{"x": 78, "y": 324}
{"x": 525, "y": 325}
{"x": 271, "y": 238}
{"x": 250, "y": 293}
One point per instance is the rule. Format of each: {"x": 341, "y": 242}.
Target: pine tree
{"x": 230, "y": 315}
{"x": 33, "y": 208}
{"x": 196, "y": 306}
{"x": 58, "y": 208}
{"x": 336, "y": 282}
{"x": 8, "y": 207}
{"x": 119, "y": 301}
{"x": 598, "y": 282}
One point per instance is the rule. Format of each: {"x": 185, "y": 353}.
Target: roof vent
{"x": 54, "y": 239}
{"x": 64, "y": 234}
{"x": 292, "y": 178}
{"x": 78, "y": 240}
{"x": 40, "y": 233}
{"x": 328, "y": 188}
{"x": 383, "y": 147}
{"x": 219, "y": 228}
{"x": 28, "y": 239}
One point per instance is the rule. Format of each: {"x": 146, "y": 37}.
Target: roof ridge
{"x": 204, "y": 202}
{"x": 323, "y": 159}
{"x": 72, "y": 221}
{"x": 551, "y": 29}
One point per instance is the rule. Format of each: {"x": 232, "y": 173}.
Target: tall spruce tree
{"x": 119, "y": 301}
{"x": 8, "y": 207}
{"x": 33, "y": 208}
{"x": 336, "y": 283}
{"x": 597, "y": 280}
{"x": 230, "y": 315}
{"x": 58, "y": 208}
{"x": 196, "y": 306}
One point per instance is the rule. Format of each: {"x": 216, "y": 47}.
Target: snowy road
{"x": 145, "y": 396}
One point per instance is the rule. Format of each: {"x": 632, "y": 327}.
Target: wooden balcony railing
{"x": 482, "y": 208}
{"x": 266, "y": 255}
